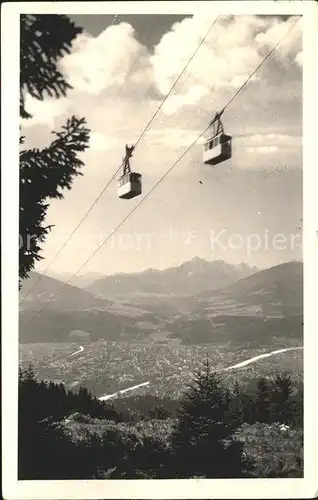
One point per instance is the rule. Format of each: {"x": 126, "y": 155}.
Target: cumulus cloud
{"x": 191, "y": 97}
{"x": 44, "y": 112}
{"x": 99, "y": 63}
{"x": 119, "y": 84}
{"x": 277, "y": 29}
{"x": 232, "y": 50}
{"x": 224, "y": 57}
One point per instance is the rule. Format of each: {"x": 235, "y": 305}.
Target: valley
{"x": 124, "y": 335}
{"x": 108, "y": 367}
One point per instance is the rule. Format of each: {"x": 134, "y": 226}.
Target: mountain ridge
{"x": 264, "y": 304}
{"x": 41, "y": 288}
{"x": 205, "y": 275}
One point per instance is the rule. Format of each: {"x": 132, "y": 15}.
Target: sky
{"x": 247, "y": 209}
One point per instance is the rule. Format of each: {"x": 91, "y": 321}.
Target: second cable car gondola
{"x": 218, "y": 146}
{"x": 129, "y": 183}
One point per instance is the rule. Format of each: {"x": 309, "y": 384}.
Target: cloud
{"x": 44, "y": 112}
{"x": 100, "y": 142}
{"x": 272, "y": 139}
{"x": 262, "y": 149}
{"x": 191, "y": 97}
{"x": 231, "y": 52}
{"x": 175, "y": 137}
{"x": 290, "y": 44}
{"x": 119, "y": 84}
{"x": 224, "y": 59}
{"x": 101, "y": 63}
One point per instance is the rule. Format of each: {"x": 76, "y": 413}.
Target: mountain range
{"x": 267, "y": 304}
{"x": 198, "y": 301}
{"x": 189, "y": 278}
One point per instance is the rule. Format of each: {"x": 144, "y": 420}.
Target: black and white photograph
{"x": 159, "y": 249}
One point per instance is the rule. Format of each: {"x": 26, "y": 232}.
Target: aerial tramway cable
{"x": 175, "y": 83}
{"x": 96, "y": 199}
{"x": 163, "y": 177}
{"x": 218, "y": 147}
{"x": 122, "y": 164}
{"x": 130, "y": 183}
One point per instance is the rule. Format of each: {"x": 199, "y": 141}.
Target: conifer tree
{"x": 44, "y": 174}
{"x": 263, "y": 400}
{"x": 236, "y": 403}
{"x": 44, "y": 39}
{"x": 282, "y": 405}
{"x": 202, "y": 441}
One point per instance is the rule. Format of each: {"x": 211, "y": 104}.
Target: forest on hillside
{"x": 233, "y": 433}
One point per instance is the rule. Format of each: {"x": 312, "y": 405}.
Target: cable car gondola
{"x": 129, "y": 184}
{"x": 218, "y": 147}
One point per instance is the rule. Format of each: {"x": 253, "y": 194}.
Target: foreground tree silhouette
{"x": 284, "y": 407}
{"x": 45, "y": 173}
{"x": 202, "y": 441}
{"x": 45, "y": 449}
{"x": 44, "y": 39}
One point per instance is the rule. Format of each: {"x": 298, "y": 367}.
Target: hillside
{"x": 277, "y": 291}
{"x": 54, "y": 294}
{"x": 44, "y": 290}
{"x": 265, "y": 305}
{"x": 259, "y": 308}
{"x": 81, "y": 280}
{"x": 73, "y": 309}
{"x": 56, "y": 325}
{"x": 188, "y": 279}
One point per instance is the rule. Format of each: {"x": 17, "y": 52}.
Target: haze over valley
{"x": 157, "y": 324}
